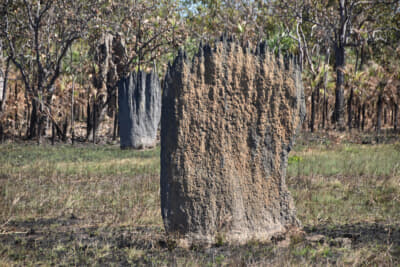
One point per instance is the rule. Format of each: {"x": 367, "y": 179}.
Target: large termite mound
{"x": 229, "y": 118}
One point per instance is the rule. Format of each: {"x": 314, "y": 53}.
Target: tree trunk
{"x": 65, "y": 129}
{"x": 379, "y": 109}
{"x": 317, "y": 108}
{"x": 115, "y": 117}
{"x": 88, "y": 120}
{"x": 363, "y": 117}
{"x": 28, "y": 113}
{"x": 72, "y": 113}
{"x": 325, "y": 104}
{"x": 392, "y": 115}
{"x": 39, "y": 131}
{"x": 384, "y": 116}
{"x": 115, "y": 128}
{"x": 1, "y": 133}
{"x": 349, "y": 109}
{"x": 81, "y": 113}
{"x": 358, "y": 123}
{"x": 339, "y": 92}
{"x": 16, "y": 121}
{"x": 312, "y": 119}
{"x": 33, "y": 120}
{"x": 362, "y": 58}
{"x": 96, "y": 110}
{"x": 94, "y": 122}
{"x": 3, "y": 86}
{"x": 3, "y": 93}
{"x": 2, "y": 75}
{"x": 41, "y": 120}
{"x": 396, "y": 119}
{"x": 324, "y": 113}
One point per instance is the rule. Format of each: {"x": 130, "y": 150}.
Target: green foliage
{"x": 281, "y": 43}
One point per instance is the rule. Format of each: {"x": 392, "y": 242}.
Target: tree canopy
{"x": 348, "y": 51}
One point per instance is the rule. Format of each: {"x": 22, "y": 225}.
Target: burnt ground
{"x": 68, "y": 241}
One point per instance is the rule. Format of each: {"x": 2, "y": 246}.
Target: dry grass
{"x": 100, "y": 206}
{"x": 100, "y": 186}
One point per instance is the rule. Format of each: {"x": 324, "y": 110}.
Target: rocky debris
{"x": 139, "y": 99}
{"x": 229, "y": 118}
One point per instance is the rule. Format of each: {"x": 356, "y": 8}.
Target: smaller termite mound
{"x": 139, "y": 99}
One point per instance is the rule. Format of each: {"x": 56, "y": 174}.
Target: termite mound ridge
{"x": 229, "y": 118}
{"x": 139, "y": 98}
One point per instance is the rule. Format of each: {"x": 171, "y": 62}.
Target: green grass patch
{"x": 66, "y": 160}
{"x": 345, "y": 160}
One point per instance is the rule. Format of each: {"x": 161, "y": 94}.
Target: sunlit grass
{"x": 111, "y": 197}
{"x": 68, "y": 161}
{"x": 346, "y": 160}
{"x": 101, "y": 184}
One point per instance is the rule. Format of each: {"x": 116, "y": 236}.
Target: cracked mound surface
{"x": 229, "y": 117}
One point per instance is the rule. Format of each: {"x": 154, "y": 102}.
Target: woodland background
{"x": 60, "y": 61}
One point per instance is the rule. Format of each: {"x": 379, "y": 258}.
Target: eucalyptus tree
{"x": 37, "y": 35}
{"x": 4, "y": 72}
{"x": 247, "y": 20}
{"x": 341, "y": 24}
{"x": 128, "y": 35}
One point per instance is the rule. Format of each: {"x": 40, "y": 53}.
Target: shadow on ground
{"x": 359, "y": 233}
